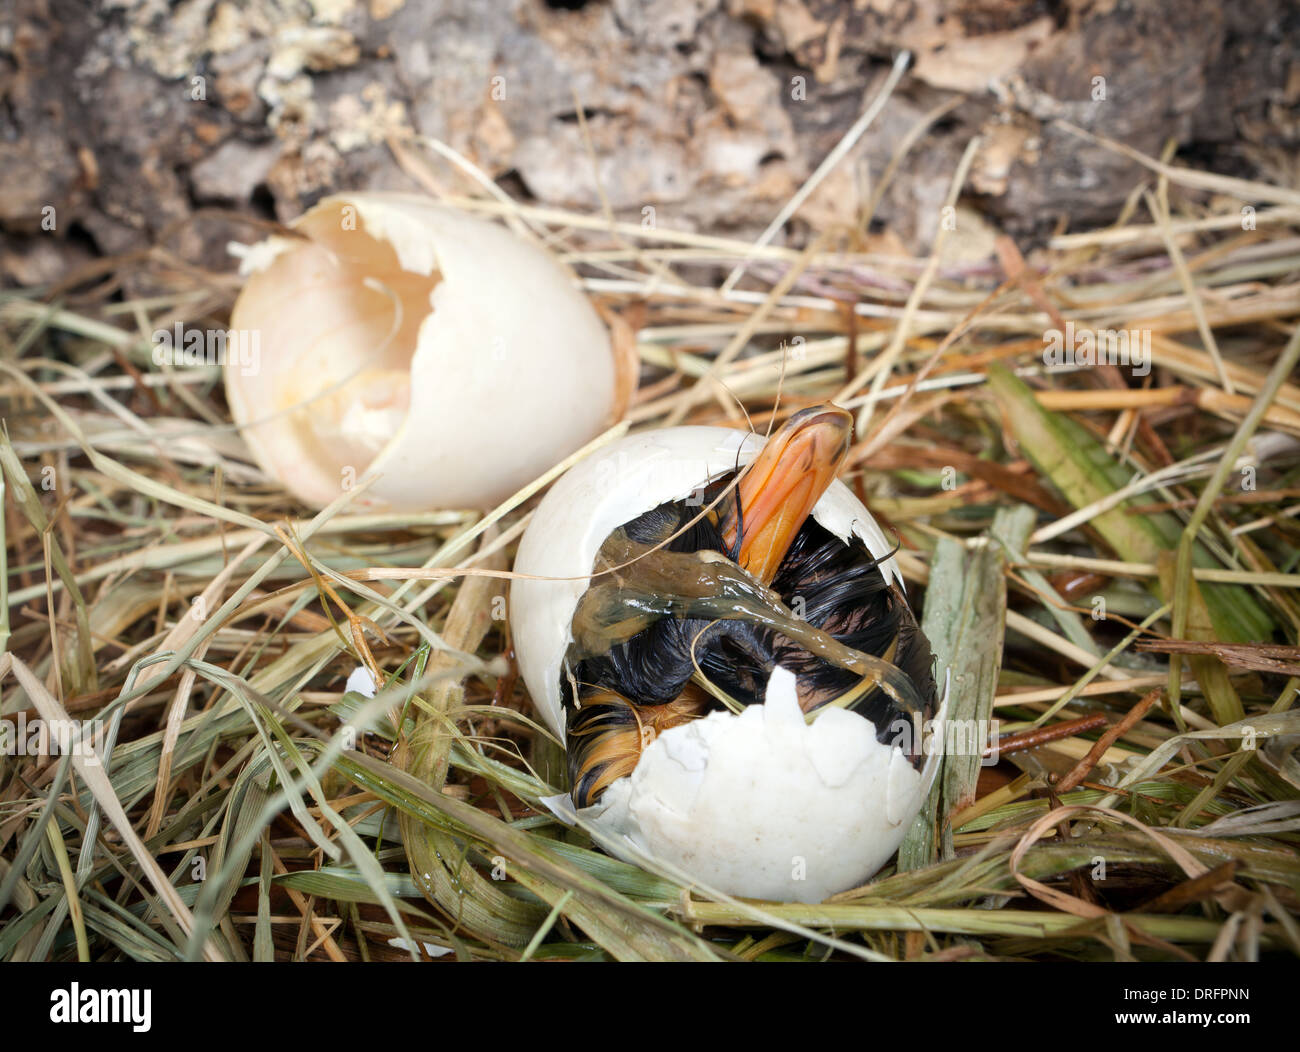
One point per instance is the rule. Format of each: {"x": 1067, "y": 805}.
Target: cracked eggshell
{"x": 452, "y": 358}
{"x": 764, "y": 804}
{"x": 760, "y": 804}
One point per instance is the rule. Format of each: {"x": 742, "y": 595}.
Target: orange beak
{"x": 778, "y": 491}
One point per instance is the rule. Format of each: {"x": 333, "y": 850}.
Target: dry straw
{"x": 247, "y": 808}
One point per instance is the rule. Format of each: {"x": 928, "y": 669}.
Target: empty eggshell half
{"x": 451, "y": 358}
{"x": 761, "y": 804}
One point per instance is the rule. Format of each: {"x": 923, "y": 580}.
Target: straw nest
{"x": 1107, "y": 561}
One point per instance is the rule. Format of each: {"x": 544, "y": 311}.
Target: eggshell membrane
{"x": 442, "y": 352}
{"x": 613, "y": 486}
{"x": 761, "y": 804}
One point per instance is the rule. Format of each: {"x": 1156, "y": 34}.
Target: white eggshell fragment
{"x": 764, "y": 804}
{"x": 761, "y": 804}
{"x": 451, "y": 358}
